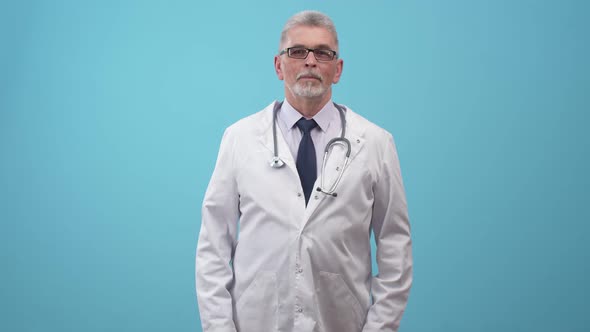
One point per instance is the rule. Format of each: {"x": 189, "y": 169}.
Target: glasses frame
{"x": 312, "y": 50}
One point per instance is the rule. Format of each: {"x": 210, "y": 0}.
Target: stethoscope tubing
{"x": 276, "y": 162}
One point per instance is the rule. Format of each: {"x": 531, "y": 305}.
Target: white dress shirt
{"x": 329, "y": 126}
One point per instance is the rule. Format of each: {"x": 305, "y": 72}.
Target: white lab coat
{"x": 266, "y": 262}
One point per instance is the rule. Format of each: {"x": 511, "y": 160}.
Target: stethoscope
{"x": 276, "y": 162}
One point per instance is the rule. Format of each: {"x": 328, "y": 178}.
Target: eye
{"x": 324, "y": 54}
{"x": 298, "y": 52}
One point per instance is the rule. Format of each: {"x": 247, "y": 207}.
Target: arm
{"x": 217, "y": 241}
{"x": 391, "y": 287}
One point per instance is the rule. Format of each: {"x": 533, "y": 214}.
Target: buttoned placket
{"x": 298, "y": 271}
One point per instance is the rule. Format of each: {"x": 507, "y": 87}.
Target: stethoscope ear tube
{"x": 338, "y": 140}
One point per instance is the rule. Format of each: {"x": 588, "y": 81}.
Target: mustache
{"x": 310, "y": 74}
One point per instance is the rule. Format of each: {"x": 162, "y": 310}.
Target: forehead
{"x": 310, "y": 36}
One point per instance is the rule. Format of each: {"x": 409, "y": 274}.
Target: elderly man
{"x": 296, "y": 191}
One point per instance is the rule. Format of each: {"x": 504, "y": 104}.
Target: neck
{"x": 308, "y": 107}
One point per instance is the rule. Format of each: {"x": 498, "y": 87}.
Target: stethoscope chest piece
{"x": 276, "y": 162}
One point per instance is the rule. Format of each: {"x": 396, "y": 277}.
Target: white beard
{"x": 307, "y": 89}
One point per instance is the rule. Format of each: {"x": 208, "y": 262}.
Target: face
{"x": 308, "y": 78}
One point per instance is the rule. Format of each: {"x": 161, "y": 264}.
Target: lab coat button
{"x": 298, "y": 194}
{"x": 299, "y": 309}
{"x": 316, "y": 197}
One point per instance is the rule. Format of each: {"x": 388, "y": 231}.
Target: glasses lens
{"x": 298, "y": 52}
{"x": 324, "y": 55}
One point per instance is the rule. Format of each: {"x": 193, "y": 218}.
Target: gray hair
{"x": 310, "y": 18}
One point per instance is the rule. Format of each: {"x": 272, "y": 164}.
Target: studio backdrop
{"x": 111, "y": 114}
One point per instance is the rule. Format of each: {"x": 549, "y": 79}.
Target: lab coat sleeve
{"x": 217, "y": 241}
{"x": 391, "y": 286}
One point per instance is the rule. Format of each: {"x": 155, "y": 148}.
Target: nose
{"x": 311, "y": 61}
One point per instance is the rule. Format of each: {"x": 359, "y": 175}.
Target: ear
{"x": 339, "y": 67}
{"x": 278, "y": 68}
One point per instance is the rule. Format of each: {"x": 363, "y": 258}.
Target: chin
{"x": 308, "y": 91}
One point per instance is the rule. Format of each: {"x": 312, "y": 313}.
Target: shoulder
{"x": 249, "y": 127}
{"x": 254, "y": 124}
{"x": 371, "y": 132}
{"x": 379, "y": 143}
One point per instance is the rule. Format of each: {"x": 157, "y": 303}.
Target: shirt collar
{"x": 323, "y": 118}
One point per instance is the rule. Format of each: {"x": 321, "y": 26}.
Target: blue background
{"x": 111, "y": 113}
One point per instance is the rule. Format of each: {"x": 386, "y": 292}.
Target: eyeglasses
{"x": 321, "y": 54}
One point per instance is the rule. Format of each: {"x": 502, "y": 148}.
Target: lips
{"x": 309, "y": 76}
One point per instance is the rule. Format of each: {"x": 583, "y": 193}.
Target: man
{"x": 285, "y": 235}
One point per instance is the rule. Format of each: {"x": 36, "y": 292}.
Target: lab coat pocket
{"x": 256, "y": 309}
{"x": 340, "y": 311}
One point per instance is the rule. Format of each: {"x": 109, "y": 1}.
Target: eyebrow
{"x": 316, "y": 47}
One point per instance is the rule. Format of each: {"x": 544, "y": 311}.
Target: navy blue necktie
{"x": 306, "y": 160}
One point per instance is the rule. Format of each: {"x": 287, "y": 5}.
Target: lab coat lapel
{"x": 355, "y": 133}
